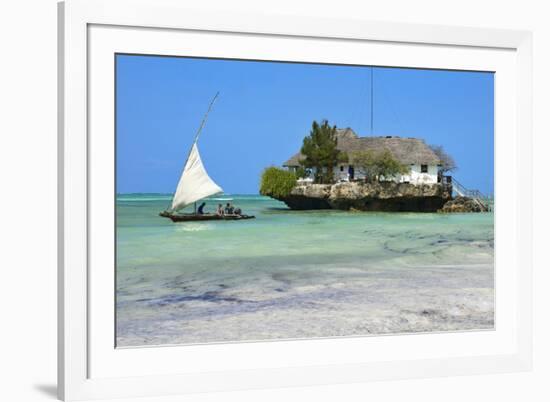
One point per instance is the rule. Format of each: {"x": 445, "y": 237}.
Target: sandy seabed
{"x": 327, "y": 302}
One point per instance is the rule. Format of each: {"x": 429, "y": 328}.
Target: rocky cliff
{"x": 463, "y": 204}
{"x": 368, "y": 197}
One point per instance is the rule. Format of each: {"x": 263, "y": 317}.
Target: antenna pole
{"x": 371, "y": 100}
{"x": 203, "y": 122}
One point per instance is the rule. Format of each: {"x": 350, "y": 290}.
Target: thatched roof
{"x": 406, "y": 150}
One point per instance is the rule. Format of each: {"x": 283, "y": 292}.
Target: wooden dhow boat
{"x": 194, "y": 185}
{"x": 204, "y": 217}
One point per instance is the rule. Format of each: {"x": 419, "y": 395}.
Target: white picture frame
{"x": 90, "y": 32}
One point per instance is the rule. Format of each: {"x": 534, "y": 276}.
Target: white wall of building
{"x": 415, "y": 176}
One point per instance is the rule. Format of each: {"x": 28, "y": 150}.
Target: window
{"x": 341, "y": 168}
{"x": 423, "y": 168}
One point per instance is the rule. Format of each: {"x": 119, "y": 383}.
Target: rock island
{"x": 337, "y": 169}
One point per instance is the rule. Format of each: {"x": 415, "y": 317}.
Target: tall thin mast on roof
{"x": 371, "y": 100}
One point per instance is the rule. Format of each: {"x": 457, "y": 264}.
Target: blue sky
{"x": 266, "y": 108}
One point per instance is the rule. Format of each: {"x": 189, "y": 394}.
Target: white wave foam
{"x": 192, "y": 227}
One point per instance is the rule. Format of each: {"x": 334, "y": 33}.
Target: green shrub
{"x": 379, "y": 164}
{"x": 277, "y": 182}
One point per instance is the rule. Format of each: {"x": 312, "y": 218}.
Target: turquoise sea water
{"x": 295, "y": 274}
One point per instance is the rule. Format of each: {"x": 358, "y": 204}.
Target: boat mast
{"x": 203, "y": 122}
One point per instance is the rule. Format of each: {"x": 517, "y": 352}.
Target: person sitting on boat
{"x": 229, "y": 209}
{"x": 200, "y": 210}
{"x": 219, "y": 211}
{"x": 238, "y": 211}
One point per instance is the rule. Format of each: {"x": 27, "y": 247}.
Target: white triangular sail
{"x": 194, "y": 184}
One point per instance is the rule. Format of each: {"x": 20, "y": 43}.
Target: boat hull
{"x": 204, "y": 217}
